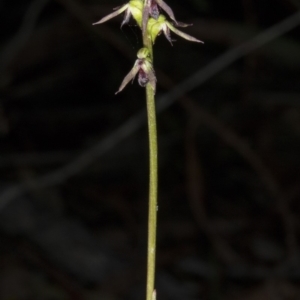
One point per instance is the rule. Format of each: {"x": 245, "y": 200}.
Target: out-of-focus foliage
{"x": 229, "y": 155}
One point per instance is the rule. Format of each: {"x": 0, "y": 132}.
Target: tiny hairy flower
{"x": 155, "y": 27}
{"x": 143, "y": 67}
{"x": 133, "y": 8}
{"x": 152, "y": 9}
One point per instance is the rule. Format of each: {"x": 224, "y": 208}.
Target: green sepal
{"x": 136, "y": 9}
{"x": 155, "y": 27}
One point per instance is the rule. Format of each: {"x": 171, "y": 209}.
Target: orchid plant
{"x": 148, "y": 16}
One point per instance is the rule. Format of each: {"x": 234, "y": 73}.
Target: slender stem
{"x": 152, "y": 215}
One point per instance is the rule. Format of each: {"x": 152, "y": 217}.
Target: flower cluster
{"x": 152, "y": 23}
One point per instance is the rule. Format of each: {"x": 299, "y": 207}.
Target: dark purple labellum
{"x": 154, "y": 11}
{"x": 142, "y": 78}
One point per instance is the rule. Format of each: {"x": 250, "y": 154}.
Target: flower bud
{"x": 143, "y": 53}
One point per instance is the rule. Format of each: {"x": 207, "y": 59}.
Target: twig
{"x": 255, "y": 162}
{"x": 227, "y": 59}
{"x": 15, "y": 45}
{"x": 195, "y": 193}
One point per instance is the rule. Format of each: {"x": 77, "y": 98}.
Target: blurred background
{"x": 74, "y": 157}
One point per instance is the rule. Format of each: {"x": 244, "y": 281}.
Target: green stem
{"x": 152, "y": 215}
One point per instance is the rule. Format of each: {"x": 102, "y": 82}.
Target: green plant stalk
{"x": 152, "y": 23}
{"x": 152, "y": 214}
{"x": 153, "y": 171}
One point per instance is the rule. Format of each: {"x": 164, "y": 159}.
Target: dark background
{"x": 74, "y": 174}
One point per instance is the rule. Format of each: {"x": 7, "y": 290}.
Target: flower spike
{"x": 143, "y": 67}
{"x": 155, "y": 27}
{"x": 133, "y": 8}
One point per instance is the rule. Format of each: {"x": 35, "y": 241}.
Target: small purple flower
{"x": 152, "y": 9}
{"x": 143, "y": 67}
